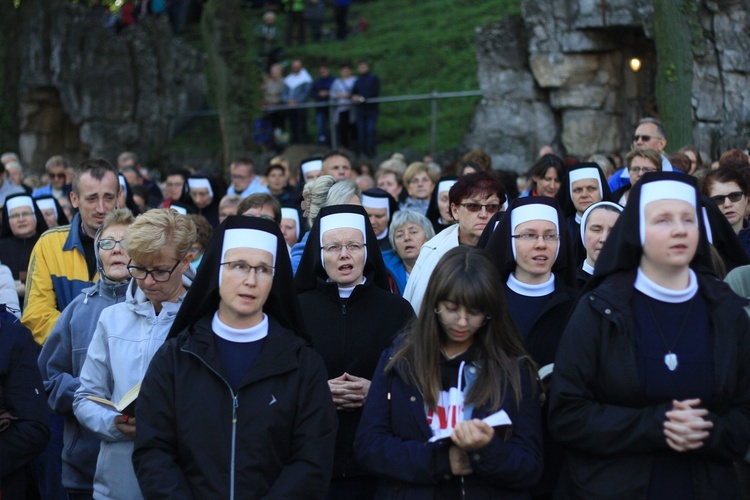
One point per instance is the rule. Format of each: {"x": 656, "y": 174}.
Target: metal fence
{"x": 433, "y": 96}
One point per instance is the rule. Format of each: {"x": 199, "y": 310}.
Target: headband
{"x": 532, "y": 211}
{"x": 590, "y": 209}
{"x": 19, "y": 201}
{"x": 584, "y": 173}
{"x": 342, "y": 220}
{"x": 46, "y": 204}
{"x": 445, "y": 186}
{"x": 311, "y": 166}
{"x": 293, "y": 214}
{"x": 200, "y": 183}
{"x": 663, "y": 190}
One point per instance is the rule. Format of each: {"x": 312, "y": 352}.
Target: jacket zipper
{"x": 235, "y": 405}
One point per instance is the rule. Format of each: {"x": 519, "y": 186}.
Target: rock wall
{"x": 88, "y": 92}
{"x": 559, "y": 74}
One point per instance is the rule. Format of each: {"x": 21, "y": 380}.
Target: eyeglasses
{"x": 645, "y": 138}
{"x": 476, "y": 207}
{"x": 351, "y": 247}
{"x": 21, "y": 214}
{"x": 733, "y": 197}
{"x": 451, "y": 317}
{"x": 160, "y": 275}
{"x": 242, "y": 269}
{"x": 645, "y": 170}
{"x": 61, "y": 175}
{"x": 529, "y": 237}
{"x": 264, "y": 216}
{"x": 175, "y": 184}
{"x": 109, "y": 244}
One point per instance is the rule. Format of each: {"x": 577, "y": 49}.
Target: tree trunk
{"x": 232, "y": 74}
{"x": 10, "y": 74}
{"x": 674, "y": 76}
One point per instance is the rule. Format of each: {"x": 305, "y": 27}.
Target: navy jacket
{"x": 22, "y": 395}
{"x": 367, "y": 85}
{"x": 392, "y": 442}
{"x": 600, "y": 413}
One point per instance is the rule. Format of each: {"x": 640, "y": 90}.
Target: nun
{"x": 351, "y": 317}
{"x": 235, "y": 403}
{"x": 290, "y": 226}
{"x": 584, "y": 185}
{"x": 51, "y": 211}
{"x": 651, "y": 396}
{"x": 205, "y": 197}
{"x": 531, "y": 249}
{"x": 596, "y": 225}
{"x": 22, "y": 225}
{"x": 439, "y": 209}
{"x": 380, "y": 207}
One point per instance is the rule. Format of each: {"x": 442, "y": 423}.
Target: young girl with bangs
{"x": 422, "y": 431}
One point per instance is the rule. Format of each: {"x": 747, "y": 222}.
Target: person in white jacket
{"x": 127, "y": 336}
{"x": 474, "y": 199}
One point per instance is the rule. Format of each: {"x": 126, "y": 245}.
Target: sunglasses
{"x": 56, "y": 176}
{"x": 476, "y": 207}
{"x": 733, "y": 197}
{"x": 645, "y": 138}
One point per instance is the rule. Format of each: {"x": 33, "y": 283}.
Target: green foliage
{"x": 415, "y": 47}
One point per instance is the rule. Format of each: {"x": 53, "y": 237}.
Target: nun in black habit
{"x": 235, "y": 402}
{"x": 351, "y": 317}
{"x": 205, "y": 194}
{"x": 439, "y": 209}
{"x": 380, "y": 207}
{"x": 583, "y": 185}
{"x": 531, "y": 249}
{"x": 23, "y": 224}
{"x": 53, "y": 213}
{"x": 651, "y": 396}
{"x": 596, "y": 225}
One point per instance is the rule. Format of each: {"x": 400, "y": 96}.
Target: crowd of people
{"x": 332, "y": 330}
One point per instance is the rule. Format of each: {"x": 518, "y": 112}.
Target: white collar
{"x": 648, "y": 287}
{"x": 346, "y": 292}
{"x": 240, "y": 335}
{"x": 587, "y": 268}
{"x": 528, "y": 290}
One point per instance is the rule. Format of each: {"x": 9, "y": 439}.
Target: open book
{"x": 498, "y": 419}
{"x": 126, "y": 406}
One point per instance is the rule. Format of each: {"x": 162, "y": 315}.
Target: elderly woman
{"x": 127, "y": 336}
{"x": 474, "y": 199}
{"x": 408, "y": 232}
{"x": 22, "y": 225}
{"x": 419, "y": 180}
{"x": 352, "y": 317}
{"x": 651, "y": 397}
{"x": 64, "y": 351}
{"x": 235, "y": 403}
{"x": 596, "y": 225}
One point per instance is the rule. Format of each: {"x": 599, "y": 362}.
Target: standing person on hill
{"x": 345, "y": 119}
{"x": 422, "y": 430}
{"x": 321, "y": 91}
{"x": 297, "y": 86}
{"x": 366, "y": 87}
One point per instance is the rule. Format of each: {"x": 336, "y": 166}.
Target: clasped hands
{"x": 686, "y": 428}
{"x": 467, "y": 436}
{"x": 349, "y": 392}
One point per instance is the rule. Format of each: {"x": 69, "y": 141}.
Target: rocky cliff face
{"x": 559, "y": 74}
{"x": 87, "y": 92}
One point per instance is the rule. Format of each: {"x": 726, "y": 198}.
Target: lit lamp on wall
{"x": 635, "y": 64}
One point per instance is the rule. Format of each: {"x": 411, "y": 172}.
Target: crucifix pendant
{"x": 670, "y": 359}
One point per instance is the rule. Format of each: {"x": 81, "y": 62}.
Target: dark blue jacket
{"x": 367, "y": 86}
{"x": 393, "y": 434}
{"x": 22, "y": 395}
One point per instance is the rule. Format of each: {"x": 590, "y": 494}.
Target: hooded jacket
{"x": 126, "y": 338}
{"x": 198, "y": 438}
{"x": 60, "y": 363}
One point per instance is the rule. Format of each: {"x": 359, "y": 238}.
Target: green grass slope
{"x": 414, "y": 46}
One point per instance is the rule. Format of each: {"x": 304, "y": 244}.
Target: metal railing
{"x": 433, "y": 96}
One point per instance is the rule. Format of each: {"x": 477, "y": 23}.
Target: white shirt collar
{"x": 241, "y": 335}
{"x": 649, "y": 288}
{"x": 528, "y": 290}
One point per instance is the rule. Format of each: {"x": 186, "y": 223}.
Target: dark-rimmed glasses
{"x": 476, "y": 207}
{"x": 109, "y": 243}
{"x": 734, "y": 197}
{"x": 159, "y": 275}
{"x": 645, "y": 138}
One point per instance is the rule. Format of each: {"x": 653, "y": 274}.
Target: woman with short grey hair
{"x": 409, "y": 230}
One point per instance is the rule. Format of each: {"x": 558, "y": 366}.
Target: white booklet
{"x": 498, "y": 419}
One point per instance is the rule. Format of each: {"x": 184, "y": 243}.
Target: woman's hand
{"x": 460, "y": 465}
{"x": 472, "y": 435}
{"x": 685, "y": 427}
{"x": 126, "y": 425}
{"x": 349, "y": 392}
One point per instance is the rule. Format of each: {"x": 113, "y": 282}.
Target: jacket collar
{"x": 74, "y": 236}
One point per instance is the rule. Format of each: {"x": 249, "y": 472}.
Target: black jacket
{"x": 16, "y": 253}
{"x": 351, "y": 337}
{"x": 21, "y": 395}
{"x": 599, "y": 410}
{"x": 188, "y": 416}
